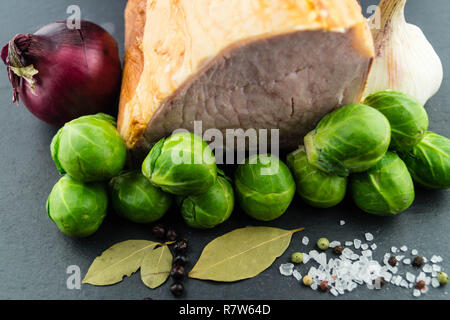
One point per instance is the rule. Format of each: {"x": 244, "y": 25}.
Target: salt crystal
{"x": 367, "y": 253}
{"x": 416, "y": 293}
{"x": 414, "y": 252}
{"x": 427, "y": 268}
{"x": 314, "y": 286}
{"x": 369, "y": 236}
{"x": 436, "y": 259}
{"x": 312, "y": 272}
{"x": 420, "y": 277}
{"x": 398, "y": 280}
{"x": 435, "y": 283}
{"x": 406, "y": 261}
{"x": 348, "y": 243}
{"x": 287, "y": 269}
{"x": 410, "y": 277}
{"x": 313, "y": 254}
{"x": 306, "y": 258}
{"x": 347, "y": 253}
{"x": 297, "y": 275}
{"x": 357, "y": 243}
{"x": 436, "y": 268}
{"x": 334, "y": 244}
{"x": 342, "y": 222}
{"x": 334, "y": 292}
{"x": 354, "y": 256}
{"x": 399, "y": 258}
{"x": 373, "y": 246}
{"x": 321, "y": 259}
{"x": 404, "y": 248}
{"x": 394, "y": 249}
{"x": 365, "y": 246}
{"x": 305, "y": 240}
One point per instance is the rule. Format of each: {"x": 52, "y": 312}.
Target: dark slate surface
{"x": 34, "y": 255}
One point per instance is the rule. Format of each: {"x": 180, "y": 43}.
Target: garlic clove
{"x": 405, "y": 60}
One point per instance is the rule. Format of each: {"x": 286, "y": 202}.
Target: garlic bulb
{"x": 405, "y": 61}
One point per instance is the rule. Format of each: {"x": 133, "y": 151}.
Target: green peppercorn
{"x": 307, "y": 280}
{"x": 323, "y": 244}
{"x": 297, "y": 257}
{"x": 442, "y": 278}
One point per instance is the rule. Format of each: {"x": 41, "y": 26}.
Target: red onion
{"x": 61, "y": 74}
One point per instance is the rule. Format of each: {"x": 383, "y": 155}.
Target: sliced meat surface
{"x": 248, "y": 64}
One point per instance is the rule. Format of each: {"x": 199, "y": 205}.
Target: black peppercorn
{"x": 180, "y": 260}
{"x": 159, "y": 231}
{"x": 418, "y": 261}
{"x": 178, "y": 272}
{"x": 338, "y": 250}
{"x": 177, "y": 289}
{"x": 393, "y": 261}
{"x": 171, "y": 234}
{"x": 180, "y": 246}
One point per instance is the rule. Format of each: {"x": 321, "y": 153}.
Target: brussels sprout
{"x": 407, "y": 117}
{"x": 89, "y": 148}
{"x": 429, "y": 161}
{"x": 182, "y": 164}
{"x": 210, "y": 208}
{"x": 77, "y": 208}
{"x": 385, "y": 189}
{"x": 135, "y": 198}
{"x": 316, "y": 187}
{"x": 264, "y": 187}
{"x": 350, "y": 139}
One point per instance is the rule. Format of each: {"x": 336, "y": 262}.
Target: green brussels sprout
{"x": 136, "y": 199}
{"x": 264, "y": 187}
{"x": 209, "y": 209}
{"x": 350, "y": 139}
{"x": 407, "y": 117}
{"x": 77, "y": 208}
{"x": 89, "y": 148}
{"x": 316, "y": 187}
{"x": 385, "y": 189}
{"x": 182, "y": 164}
{"x": 429, "y": 161}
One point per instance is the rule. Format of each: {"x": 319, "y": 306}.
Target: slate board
{"x": 34, "y": 255}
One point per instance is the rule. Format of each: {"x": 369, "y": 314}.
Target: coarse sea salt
{"x": 305, "y": 240}
{"x": 297, "y": 275}
{"x": 342, "y": 222}
{"x": 364, "y": 246}
{"x": 369, "y": 236}
{"x": 334, "y": 244}
{"x": 404, "y": 248}
{"x": 287, "y": 269}
{"x": 414, "y": 252}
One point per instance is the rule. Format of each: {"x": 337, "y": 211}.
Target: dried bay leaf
{"x": 122, "y": 259}
{"x": 156, "y": 266}
{"x": 241, "y": 254}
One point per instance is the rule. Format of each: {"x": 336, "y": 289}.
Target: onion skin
{"x": 78, "y": 71}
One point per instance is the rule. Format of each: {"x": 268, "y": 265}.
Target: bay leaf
{"x": 156, "y": 266}
{"x": 122, "y": 259}
{"x": 241, "y": 254}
